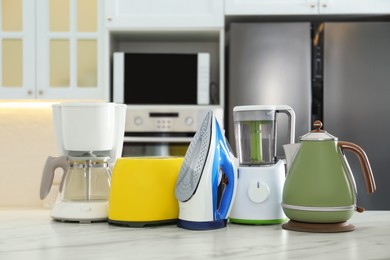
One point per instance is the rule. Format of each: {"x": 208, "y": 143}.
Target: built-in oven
{"x": 163, "y": 130}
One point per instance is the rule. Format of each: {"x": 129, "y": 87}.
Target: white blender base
{"x": 83, "y": 212}
{"x": 259, "y": 195}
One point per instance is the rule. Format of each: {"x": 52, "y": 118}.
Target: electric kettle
{"x": 319, "y": 194}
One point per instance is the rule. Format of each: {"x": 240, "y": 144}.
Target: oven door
{"x": 155, "y": 146}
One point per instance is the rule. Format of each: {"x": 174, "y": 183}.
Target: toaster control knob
{"x": 189, "y": 120}
{"x": 258, "y": 191}
{"x": 138, "y": 120}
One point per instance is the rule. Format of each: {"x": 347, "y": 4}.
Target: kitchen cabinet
{"x": 54, "y": 51}
{"x": 17, "y": 61}
{"x": 266, "y": 7}
{"x": 164, "y": 14}
{"x": 354, "y": 7}
{"x": 306, "y": 7}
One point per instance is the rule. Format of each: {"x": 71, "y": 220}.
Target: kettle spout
{"x": 291, "y": 150}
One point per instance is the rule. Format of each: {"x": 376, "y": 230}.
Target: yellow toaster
{"x": 143, "y": 191}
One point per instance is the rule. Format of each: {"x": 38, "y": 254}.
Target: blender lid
{"x": 254, "y": 113}
{"x": 253, "y": 107}
{"x": 317, "y": 134}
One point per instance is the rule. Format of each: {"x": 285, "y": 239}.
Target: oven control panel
{"x": 165, "y": 119}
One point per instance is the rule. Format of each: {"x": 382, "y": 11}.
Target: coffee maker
{"x": 90, "y": 139}
{"x": 261, "y": 174}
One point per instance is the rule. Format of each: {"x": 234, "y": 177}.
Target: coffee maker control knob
{"x": 258, "y": 191}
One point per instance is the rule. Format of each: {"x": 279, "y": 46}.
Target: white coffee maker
{"x": 261, "y": 174}
{"x": 90, "y": 139}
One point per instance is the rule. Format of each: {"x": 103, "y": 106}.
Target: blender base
{"x": 318, "y": 227}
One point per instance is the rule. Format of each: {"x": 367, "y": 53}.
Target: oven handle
{"x": 157, "y": 139}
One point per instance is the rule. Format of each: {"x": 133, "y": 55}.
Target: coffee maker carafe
{"x": 261, "y": 174}
{"x": 90, "y": 138}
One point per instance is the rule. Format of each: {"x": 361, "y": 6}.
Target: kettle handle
{"x": 364, "y": 163}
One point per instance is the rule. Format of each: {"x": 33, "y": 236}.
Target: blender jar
{"x": 255, "y": 135}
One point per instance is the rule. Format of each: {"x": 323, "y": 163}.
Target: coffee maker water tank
{"x": 90, "y": 127}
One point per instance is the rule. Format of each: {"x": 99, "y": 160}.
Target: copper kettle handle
{"x": 364, "y": 163}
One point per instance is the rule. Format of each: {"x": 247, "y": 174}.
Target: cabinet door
{"x": 69, "y": 49}
{"x": 354, "y": 7}
{"x": 162, "y": 14}
{"x": 17, "y": 68}
{"x": 274, "y": 7}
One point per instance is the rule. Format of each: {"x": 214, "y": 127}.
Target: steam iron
{"x": 207, "y": 181}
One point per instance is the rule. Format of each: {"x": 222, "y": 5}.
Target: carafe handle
{"x": 364, "y": 163}
{"x": 52, "y": 163}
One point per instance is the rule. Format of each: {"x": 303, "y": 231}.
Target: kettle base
{"x": 318, "y": 227}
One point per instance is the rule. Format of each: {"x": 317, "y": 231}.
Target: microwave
{"x": 161, "y": 78}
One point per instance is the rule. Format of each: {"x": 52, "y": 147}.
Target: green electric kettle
{"x": 319, "y": 193}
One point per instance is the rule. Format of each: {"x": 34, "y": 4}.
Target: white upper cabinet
{"x": 17, "y": 45}
{"x": 354, "y": 7}
{"x": 69, "y": 49}
{"x": 52, "y": 49}
{"x": 127, "y": 14}
{"x": 270, "y": 7}
{"x": 306, "y": 7}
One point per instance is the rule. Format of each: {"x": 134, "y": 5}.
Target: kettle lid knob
{"x": 317, "y": 125}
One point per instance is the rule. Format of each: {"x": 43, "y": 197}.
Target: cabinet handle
{"x": 312, "y": 3}
{"x": 29, "y": 92}
{"x": 109, "y": 18}
{"x": 324, "y": 5}
{"x": 40, "y": 92}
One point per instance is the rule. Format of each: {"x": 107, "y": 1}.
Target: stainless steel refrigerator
{"x": 357, "y": 98}
{"x": 274, "y": 63}
{"x": 269, "y": 64}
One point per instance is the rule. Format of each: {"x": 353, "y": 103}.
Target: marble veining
{"x": 32, "y": 234}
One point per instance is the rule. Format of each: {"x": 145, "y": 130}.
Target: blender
{"x": 90, "y": 139}
{"x": 261, "y": 174}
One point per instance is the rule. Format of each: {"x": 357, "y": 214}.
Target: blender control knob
{"x": 258, "y": 191}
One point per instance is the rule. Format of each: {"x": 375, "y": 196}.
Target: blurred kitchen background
{"x": 327, "y": 60}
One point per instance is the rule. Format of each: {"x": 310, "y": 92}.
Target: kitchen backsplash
{"x": 26, "y": 139}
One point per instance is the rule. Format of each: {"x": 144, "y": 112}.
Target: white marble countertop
{"x": 32, "y": 234}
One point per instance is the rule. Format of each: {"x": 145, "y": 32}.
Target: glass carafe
{"x": 87, "y": 179}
